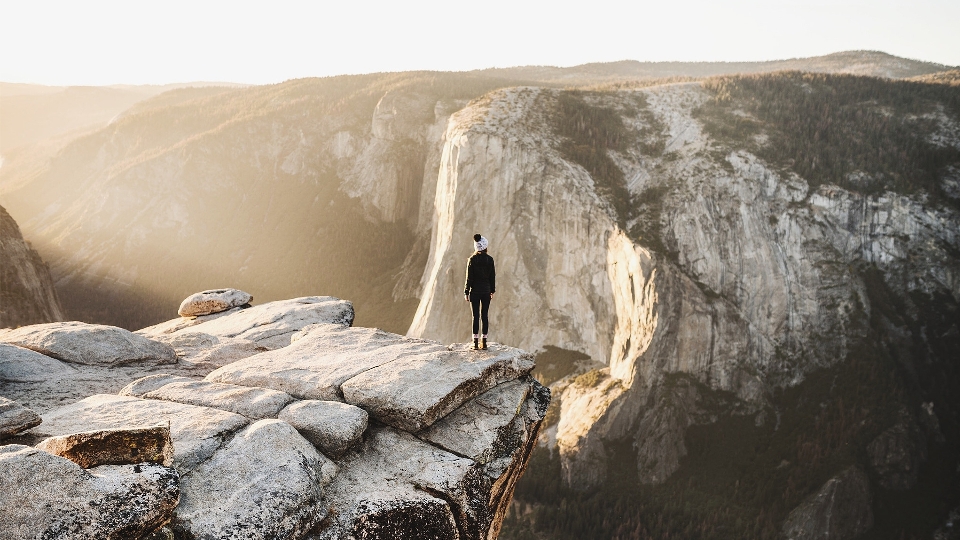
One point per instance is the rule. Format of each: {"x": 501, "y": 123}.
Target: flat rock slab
{"x": 113, "y": 447}
{"x": 480, "y": 429}
{"x": 331, "y": 426}
{"x": 196, "y": 432}
{"x": 272, "y": 324}
{"x": 91, "y": 344}
{"x": 15, "y": 418}
{"x": 253, "y": 403}
{"x": 180, "y": 323}
{"x": 321, "y": 359}
{"x": 413, "y": 392}
{"x": 23, "y": 365}
{"x": 397, "y": 486}
{"x": 266, "y": 483}
{"x": 110, "y": 502}
{"x": 150, "y": 383}
{"x": 213, "y": 301}
{"x": 205, "y": 351}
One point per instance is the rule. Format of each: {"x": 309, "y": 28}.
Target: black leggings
{"x": 480, "y": 302}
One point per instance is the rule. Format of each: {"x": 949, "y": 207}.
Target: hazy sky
{"x": 104, "y": 42}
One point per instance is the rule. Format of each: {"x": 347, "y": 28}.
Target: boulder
{"x": 15, "y": 418}
{"x": 331, "y": 426}
{"x": 66, "y": 502}
{"x": 266, "y": 483}
{"x": 397, "y": 486}
{"x": 205, "y": 351}
{"x": 839, "y": 510}
{"x": 253, "y": 403}
{"x": 481, "y": 429}
{"x": 271, "y": 325}
{"x": 321, "y": 359}
{"x": 113, "y": 447}
{"x": 150, "y": 383}
{"x": 213, "y": 301}
{"x": 414, "y": 391}
{"x": 23, "y": 365}
{"x": 196, "y": 432}
{"x": 91, "y": 344}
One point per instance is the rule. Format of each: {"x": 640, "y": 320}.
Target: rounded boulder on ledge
{"x": 213, "y": 301}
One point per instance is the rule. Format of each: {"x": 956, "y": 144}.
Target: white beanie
{"x": 481, "y": 244}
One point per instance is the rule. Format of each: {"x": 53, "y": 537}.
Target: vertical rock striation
{"x": 27, "y": 294}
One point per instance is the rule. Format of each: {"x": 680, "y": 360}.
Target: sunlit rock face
{"x": 754, "y": 286}
{"x": 28, "y": 295}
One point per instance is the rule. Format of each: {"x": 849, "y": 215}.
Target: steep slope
{"x": 265, "y": 182}
{"x": 766, "y": 266}
{"x": 27, "y": 295}
{"x": 730, "y": 285}
{"x": 33, "y": 113}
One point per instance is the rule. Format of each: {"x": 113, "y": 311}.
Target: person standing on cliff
{"x": 479, "y": 289}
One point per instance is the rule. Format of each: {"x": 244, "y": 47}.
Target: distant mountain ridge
{"x": 869, "y": 63}
{"x": 33, "y": 113}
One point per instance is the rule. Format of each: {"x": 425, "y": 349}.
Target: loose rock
{"x": 15, "y": 418}
{"x": 113, "y": 447}
{"x": 213, "y": 301}
{"x": 112, "y": 502}
{"x": 91, "y": 344}
{"x": 331, "y": 426}
{"x": 196, "y": 432}
{"x": 271, "y": 476}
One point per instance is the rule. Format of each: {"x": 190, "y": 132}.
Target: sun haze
{"x": 110, "y": 42}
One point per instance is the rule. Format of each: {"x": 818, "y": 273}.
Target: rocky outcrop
{"x": 89, "y": 344}
{"x": 268, "y": 325}
{"x": 260, "y": 462}
{"x": 213, "y": 301}
{"x": 111, "y": 501}
{"x": 840, "y": 510}
{"x": 895, "y": 455}
{"x": 15, "y": 418}
{"x": 272, "y": 478}
{"x": 27, "y": 295}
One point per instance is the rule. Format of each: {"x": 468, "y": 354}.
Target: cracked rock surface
{"x": 326, "y": 432}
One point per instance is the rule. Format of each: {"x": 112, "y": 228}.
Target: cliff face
{"x": 757, "y": 275}
{"x": 731, "y": 282}
{"x": 27, "y": 295}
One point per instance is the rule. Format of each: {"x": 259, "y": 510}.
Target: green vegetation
{"x": 861, "y": 133}
{"x": 740, "y": 479}
{"x": 647, "y": 230}
{"x": 589, "y": 132}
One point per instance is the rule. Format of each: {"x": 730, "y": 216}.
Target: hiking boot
{"x": 483, "y": 344}
{"x": 475, "y": 346}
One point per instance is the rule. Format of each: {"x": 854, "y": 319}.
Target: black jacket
{"x": 481, "y": 274}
